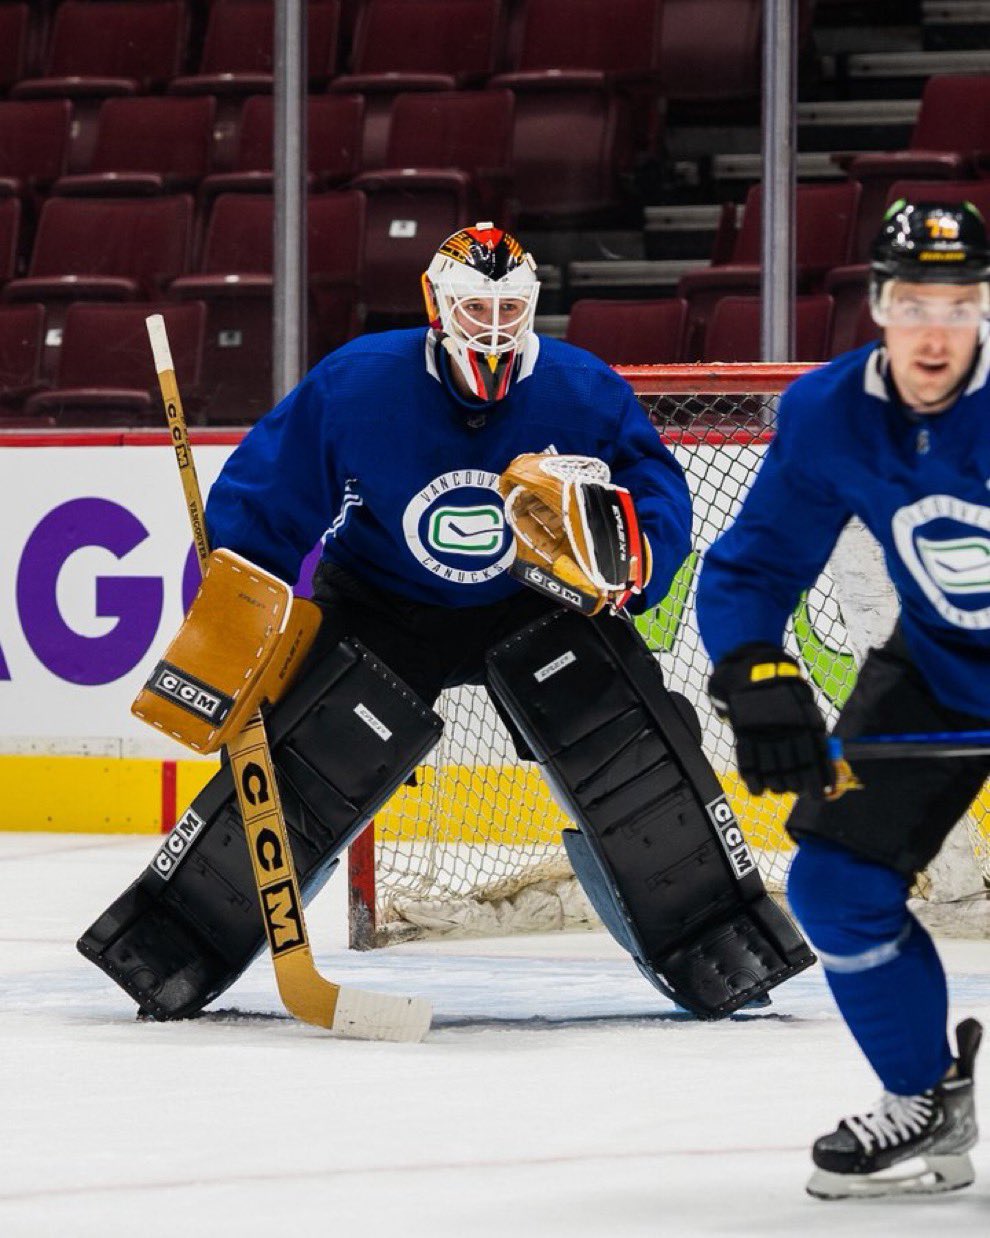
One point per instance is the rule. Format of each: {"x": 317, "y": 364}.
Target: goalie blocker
{"x": 659, "y": 851}
{"x": 343, "y": 739}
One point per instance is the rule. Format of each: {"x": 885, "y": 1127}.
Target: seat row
{"x": 128, "y": 250}
{"x": 587, "y": 73}
{"x": 363, "y": 271}
{"x": 103, "y": 376}
{"x": 827, "y": 221}
{"x": 154, "y": 145}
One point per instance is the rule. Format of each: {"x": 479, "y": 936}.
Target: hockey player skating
{"x": 493, "y": 505}
{"x": 899, "y": 435}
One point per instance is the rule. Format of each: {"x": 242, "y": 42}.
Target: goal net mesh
{"x": 474, "y": 847}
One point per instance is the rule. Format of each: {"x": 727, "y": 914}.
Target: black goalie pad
{"x": 660, "y": 852}
{"x": 343, "y": 740}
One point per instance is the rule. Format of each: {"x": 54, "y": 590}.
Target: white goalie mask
{"x": 481, "y": 290}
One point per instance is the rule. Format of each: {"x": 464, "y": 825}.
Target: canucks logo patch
{"x": 944, "y": 542}
{"x": 455, "y": 528}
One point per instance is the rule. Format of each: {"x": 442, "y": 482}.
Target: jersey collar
{"x": 876, "y": 379}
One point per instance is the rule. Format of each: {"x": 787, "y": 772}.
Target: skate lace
{"x": 895, "y": 1119}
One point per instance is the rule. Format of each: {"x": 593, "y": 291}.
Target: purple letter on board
{"x": 135, "y": 601}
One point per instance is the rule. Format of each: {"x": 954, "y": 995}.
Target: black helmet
{"x": 931, "y": 243}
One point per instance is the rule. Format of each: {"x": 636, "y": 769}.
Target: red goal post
{"x": 474, "y": 847}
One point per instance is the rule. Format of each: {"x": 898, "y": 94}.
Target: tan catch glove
{"x": 578, "y": 538}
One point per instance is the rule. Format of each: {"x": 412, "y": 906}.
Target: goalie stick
{"x": 305, "y": 993}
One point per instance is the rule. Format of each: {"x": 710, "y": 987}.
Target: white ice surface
{"x": 557, "y": 1094}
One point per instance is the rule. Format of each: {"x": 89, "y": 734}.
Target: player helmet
{"x": 480, "y": 290}
{"x": 929, "y": 243}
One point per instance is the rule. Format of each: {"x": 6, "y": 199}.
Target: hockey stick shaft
{"x": 304, "y": 992}
{"x": 887, "y": 747}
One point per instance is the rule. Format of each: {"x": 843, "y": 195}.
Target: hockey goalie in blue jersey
{"x": 493, "y": 507}
{"x": 897, "y": 434}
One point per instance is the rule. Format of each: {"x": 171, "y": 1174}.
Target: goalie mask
{"x": 481, "y": 291}
{"x": 930, "y": 243}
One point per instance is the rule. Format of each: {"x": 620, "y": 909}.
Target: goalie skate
{"x": 905, "y": 1145}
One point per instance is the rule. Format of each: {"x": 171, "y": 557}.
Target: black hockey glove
{"x": 780, "y": 733}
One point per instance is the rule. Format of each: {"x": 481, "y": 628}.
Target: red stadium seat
{"x": 105, "y": 374}
{"x": 441, "y": 131}
{"x": 95, "y": 249}
{"x": 711, "y": 57}
{"x": 333, "y": 128}
{"x": 586, "y": 84}
{"x": 106, "y": 249}
{"x": 733, "y": 332}
{"x": 15, "y": 20}
{"x": 147, "y": 145}
{"x": 239, "y": 47}
{"x": 235, "y": 281}
{"x": 825, "y": 218}
{"x": 629, "y": 332}
{"x": 22, "y": 330}
{"x": 10, "y": 229}
{"x": 618, "y": 38}
{"x": 107, "y": 47}
{"x": 711, "y": 50}
{"x": 34, "y": 143}
{"x": 404, "y": 45}
{"x": 238, "y": 60}
{"x": 572, "y": 139}
{"x": 951, "y": 140}
{"x": 440, "y": 177}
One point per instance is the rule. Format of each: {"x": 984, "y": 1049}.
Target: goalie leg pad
{"x": 342, "y": 741}
{"x": 589, "y": 698}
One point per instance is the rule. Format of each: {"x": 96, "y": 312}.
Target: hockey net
{"x": 474, "y": 847}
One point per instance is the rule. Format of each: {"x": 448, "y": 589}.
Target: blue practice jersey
{"x": 847, "y": 446}
{"x": 373, "y": 452}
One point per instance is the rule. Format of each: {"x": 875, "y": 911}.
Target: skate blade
{"x": 921, "y": 1175}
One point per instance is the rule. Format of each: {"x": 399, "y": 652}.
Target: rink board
{"x": 121, "y": 795}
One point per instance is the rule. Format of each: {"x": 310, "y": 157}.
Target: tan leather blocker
{"x": 241, "y": 643}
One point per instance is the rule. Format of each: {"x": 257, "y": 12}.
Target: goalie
{"x": 493, "y": 505}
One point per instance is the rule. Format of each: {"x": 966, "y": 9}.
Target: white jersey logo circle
{"x": 944, "y": 567}
{"x": 455, "y": 527}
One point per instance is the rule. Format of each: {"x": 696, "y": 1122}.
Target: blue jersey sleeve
{"x": 754, "y": 574}
{"x": 656, "y": 481}
{"x": 277, "y": 491}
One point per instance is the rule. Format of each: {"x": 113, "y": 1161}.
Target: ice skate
{"x": 905, "y": 1145}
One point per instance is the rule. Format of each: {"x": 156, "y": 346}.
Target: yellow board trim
{"x": 97, "y": 795}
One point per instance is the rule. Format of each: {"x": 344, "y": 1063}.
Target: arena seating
{"x": 34, "y": 143}
{"x": 950, "y": 141}
{"x": 146, "y": 145}
{"x": 126, "y": 126}
{"x": 825, "y": 217}
{"x": 235, "y": 282}
{"x": 104, "y": 375}
{"x": 21, "y": 338}
{"x": 629, "y": 332}
{"x": 733, "y": 330}
{"x": 403, "y": 45}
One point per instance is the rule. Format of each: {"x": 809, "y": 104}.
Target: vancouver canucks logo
{"x": 455, "y": 527}
{"x": 945, "y": 544}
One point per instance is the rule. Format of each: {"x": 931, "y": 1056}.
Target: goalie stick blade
{"x": 359, "y": 1015}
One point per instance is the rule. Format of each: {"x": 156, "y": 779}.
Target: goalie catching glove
{"x": 578, "y": 538}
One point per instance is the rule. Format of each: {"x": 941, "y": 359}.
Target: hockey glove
{"x": 577, "y": 536}
{"x": 780, "y": 733}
